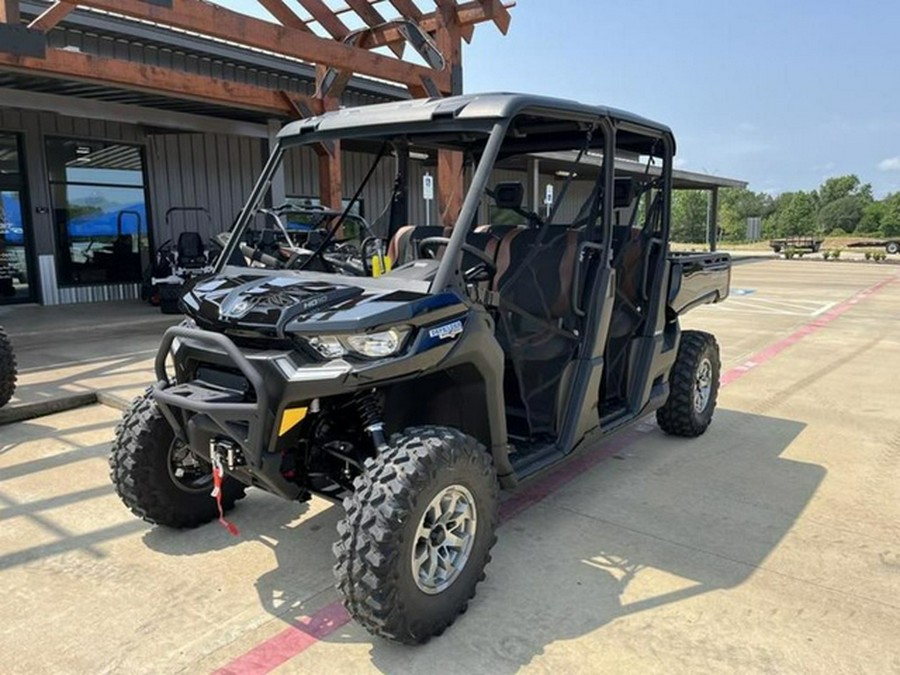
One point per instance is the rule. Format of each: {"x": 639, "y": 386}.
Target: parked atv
{"x": 414, "y": 396}
{"x": 7, "y": 369}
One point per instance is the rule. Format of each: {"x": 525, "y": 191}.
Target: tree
{"x": 873, "y": 214}
{"x": 890, "y": 221}
{"x": 841, "y": 215}
{"x": 794, "y": 214}
{"x": 689, "y": 215}
{"x": 840, "y": 187}
{"x": 738, "y": 204}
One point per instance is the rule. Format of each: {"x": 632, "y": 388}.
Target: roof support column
{"x": 450, "y": 164}
{"x": 534, "y": 184}
{"x": 9, "y": 12}
{"x": 278, "y": 188}
{"x": 329, "y": 156}
{"x": 330, "y": 178}
{"x": 712, "y": 220}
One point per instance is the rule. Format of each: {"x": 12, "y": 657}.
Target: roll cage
{"x": 488, "y": 128}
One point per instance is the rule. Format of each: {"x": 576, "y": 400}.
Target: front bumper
{"x": 199, "y": 413}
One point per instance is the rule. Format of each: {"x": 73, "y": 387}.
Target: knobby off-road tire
{"x": 693, "y": 386}
{"x": 384, "y": 588}
{"x": 7, "y": 369}
{"x": 142, "y": 473}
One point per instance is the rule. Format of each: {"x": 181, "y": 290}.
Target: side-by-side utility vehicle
{"x": 443, "y": 365}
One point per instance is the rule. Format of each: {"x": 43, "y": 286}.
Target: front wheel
{"x": 892, "y": 247}
{"x": 693, "y": 386}
{"x": 158, "y": 477}
{"x": 417, "y": 534}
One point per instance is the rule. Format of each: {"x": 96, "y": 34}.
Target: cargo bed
{"x": 698, "y": 279}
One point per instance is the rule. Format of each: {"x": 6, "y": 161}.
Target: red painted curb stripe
{"x": 292, "y": 641}
{"x": 280, "y": 648}
{"x": 818, "y": 324}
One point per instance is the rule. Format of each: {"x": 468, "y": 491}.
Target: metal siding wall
{"x": 214, "y": 171}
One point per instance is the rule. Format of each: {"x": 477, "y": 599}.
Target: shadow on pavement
{"x": 666, "y": 521}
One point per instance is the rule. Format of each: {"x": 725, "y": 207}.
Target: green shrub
{"x": 789, "y": 253}
{"x": 868, "y": 255}
{"x": 835, "y": 254}
{"x": 826, "y": 255}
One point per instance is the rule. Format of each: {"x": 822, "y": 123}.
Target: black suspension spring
{"x": 368, "y": 405}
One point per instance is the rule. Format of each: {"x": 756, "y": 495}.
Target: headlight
{"x": 370, "y": 345}
{"x": 377, "y": 345}
{"x": 328, "y": 346}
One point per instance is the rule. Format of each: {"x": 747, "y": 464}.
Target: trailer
{"x": 891, "y": 246}
{"x": 801, "y": 243}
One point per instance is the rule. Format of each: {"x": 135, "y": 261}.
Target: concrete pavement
{"x": 71, "y": 352}
{"x": 769, "y": 544}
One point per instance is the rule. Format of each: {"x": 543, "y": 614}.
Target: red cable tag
{"x": 218, "y": 476}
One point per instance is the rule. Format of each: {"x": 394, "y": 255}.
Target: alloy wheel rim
{"x": 444, "y": 539}
{"x": 703, "y": 385}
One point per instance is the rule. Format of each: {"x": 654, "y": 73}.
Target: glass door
{"x": 15, "y": 234}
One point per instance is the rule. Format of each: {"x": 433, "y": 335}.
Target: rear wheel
{"x": 693, "y": 386}
{"x": 892, "y": 247}
{"x": 157, "y": 476}
{"x": 417, "y": 534}
{"x": 7, "y": 369}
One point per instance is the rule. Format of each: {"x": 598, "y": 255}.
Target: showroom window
{"x": 99, "y": 210}
{"x": 15, "y": 258}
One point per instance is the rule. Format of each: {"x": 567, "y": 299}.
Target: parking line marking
{"x": 291, "y": 642}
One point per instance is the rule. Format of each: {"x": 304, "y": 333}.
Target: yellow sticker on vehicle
{"x": 291, "y": 418}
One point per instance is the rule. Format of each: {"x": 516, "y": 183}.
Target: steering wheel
{"x": 428, "y": 247}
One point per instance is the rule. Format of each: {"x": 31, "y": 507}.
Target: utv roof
{"x": 467, "y": 107}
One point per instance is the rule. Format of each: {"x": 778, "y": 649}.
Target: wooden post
{"x": 9, "y": 12}
{"x": 330, "y": 177}
{"x": 449, "y": 170}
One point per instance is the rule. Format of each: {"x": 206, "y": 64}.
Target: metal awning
{"x": 591, "y": 164}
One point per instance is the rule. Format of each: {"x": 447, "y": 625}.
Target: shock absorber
{"x": 369, "y": 406}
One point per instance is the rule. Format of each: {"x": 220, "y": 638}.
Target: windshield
{"x": 388, "y": 183}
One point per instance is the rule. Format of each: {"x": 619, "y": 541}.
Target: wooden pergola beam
{"x": 322, "y": 14}
{"x": 408, "y": 9}
{"x": 284, "y": 14}
{"x": 218, "y": 22}
{"x": 52, "y": 15}
{"x": 60, "y": 63}
{"x": 372, "y": 18}
{"x": 468, "y": 15}
{"x": 498, "y": 12}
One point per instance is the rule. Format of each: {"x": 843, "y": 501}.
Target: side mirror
{"x": 623, "y": 193}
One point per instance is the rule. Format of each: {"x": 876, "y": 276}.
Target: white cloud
{"x": 680, "y": 162}
{"x": 889, "y": 164}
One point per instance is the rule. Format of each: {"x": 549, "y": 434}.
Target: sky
{"x": 782, "y": 94}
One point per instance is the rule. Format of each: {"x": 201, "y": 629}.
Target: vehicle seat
{"x": 191, "y": 251}
{"x": 404, "y": 245}
{"x": 535, "y": 320}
